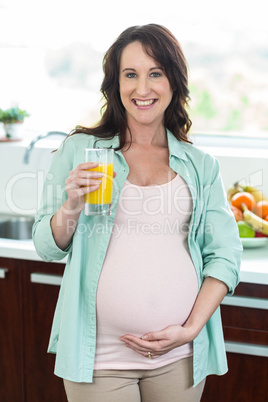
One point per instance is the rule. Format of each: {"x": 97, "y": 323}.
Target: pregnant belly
{"x": 145, "y": 297}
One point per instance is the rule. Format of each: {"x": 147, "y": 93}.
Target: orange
{"x": 266, "y": 218}
{"x": 238, "y": 214}
{"x": 261, "y": 209}
{"x": 243, "y": 197}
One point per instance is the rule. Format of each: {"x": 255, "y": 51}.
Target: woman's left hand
{"x": 158, "y": 343}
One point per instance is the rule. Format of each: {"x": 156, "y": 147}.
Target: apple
{"x": 259, "y": 234}
{"x": 245, "y": 230}
{"x": 238, "y": 214}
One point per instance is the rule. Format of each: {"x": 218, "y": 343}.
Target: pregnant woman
{"x": 138, "y": 314}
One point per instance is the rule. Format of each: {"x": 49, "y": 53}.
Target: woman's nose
{"x": 143, "y": 87}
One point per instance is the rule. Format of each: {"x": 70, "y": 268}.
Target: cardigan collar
{"x": 176, "y": 147}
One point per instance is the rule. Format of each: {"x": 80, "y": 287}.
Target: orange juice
{"x": 104, "y": 194}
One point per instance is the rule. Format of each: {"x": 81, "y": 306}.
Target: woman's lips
{"x": 143, "y": 103}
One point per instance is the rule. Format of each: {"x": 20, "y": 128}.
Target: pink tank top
{"x": 148, "y": 280}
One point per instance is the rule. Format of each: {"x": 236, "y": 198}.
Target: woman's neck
{"x": 147, "y": 136}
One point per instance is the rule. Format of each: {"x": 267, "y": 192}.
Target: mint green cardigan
{"x": 213, "y": 242}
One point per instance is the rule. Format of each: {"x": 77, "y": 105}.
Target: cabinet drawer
{"x": 245, "y": 335}
{"x": 252, "y": 290}
{"x": 244, "y": 317}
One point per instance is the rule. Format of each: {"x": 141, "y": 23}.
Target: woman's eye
{"x": 155, "y": 74}
{"x": 131, "y": 75}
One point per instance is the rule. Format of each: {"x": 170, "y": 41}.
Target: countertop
{"x": 254, "y": 266}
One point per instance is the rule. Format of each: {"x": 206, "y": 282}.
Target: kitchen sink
{"x": 16, "y": 227}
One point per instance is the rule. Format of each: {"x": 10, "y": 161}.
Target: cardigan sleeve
{"x": 221, "y": 248}
{"x": 53, "y": 196}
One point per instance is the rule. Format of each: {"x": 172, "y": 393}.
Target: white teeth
{"x": 144, "y": 103}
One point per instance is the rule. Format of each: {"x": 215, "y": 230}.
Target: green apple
{"x": 245, "y": 230}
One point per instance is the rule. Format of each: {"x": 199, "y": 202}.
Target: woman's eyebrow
{"x": 133, "y": 69}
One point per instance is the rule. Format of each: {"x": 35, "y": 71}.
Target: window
{"x": 51, "y": 59}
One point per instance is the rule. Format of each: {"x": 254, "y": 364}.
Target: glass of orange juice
{"x": 99, "y": 202}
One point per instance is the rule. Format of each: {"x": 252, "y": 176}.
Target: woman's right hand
{"x": 80, "y": 182}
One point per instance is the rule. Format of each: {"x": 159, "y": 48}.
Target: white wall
{"x": 248, "y": 166}
{"x": 21, "y": 184}
{"x": 249, "y": 170}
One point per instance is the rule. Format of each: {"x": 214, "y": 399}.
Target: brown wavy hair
{"x": 160, "y": 44}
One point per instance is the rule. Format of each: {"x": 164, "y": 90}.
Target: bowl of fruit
{"x": 250, "y": 209}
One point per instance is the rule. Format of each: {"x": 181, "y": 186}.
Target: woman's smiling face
{"x": 144, "y": 88}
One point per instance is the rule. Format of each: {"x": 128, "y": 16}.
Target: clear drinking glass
{"x": 99, "y": 202}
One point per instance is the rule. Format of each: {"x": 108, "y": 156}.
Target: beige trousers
{"x": 171, "y": 383}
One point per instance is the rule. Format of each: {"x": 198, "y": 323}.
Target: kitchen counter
{"x": 254, "y": 266}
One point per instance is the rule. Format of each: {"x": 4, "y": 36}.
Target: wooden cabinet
{"x": 245, "y": 326}
{"x": 28, "y": 295}
{"x": 11, "y": 338}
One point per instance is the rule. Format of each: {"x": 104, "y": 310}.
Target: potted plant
{"x": 13, "y": 119}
